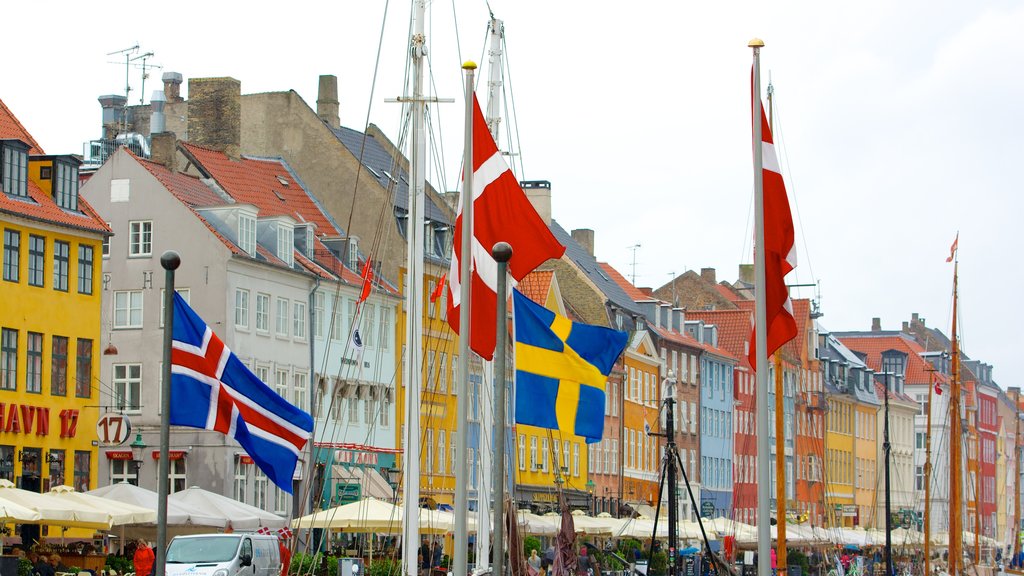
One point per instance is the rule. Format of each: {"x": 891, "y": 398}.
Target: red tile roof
{"x": 728, "y": 292}
{"x": 38, "y": 205}
{"x": 264, "y": 183}
{"x": 734, "y": 328}
{"x": 874, "y": 345}
{"x": 11, "y": 129}
{"x": 636, "y": 294}
{"x": 802, "y": 315}
{"x": 536, "y": 285}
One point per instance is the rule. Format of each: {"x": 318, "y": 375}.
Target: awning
{"x": 370, "y": 481}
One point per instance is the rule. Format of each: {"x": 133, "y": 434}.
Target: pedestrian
{"x": 534, "y": 560}
{"x": 143, "y": 559}
{"x": 583, "y": 565}
{"x": 435, "y": 556}
{"x": 286, "y": 556}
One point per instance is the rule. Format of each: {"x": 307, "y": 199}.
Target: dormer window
{"x": 14, "y": 168}
{"x": 286, "y": 244}
{"x": 65, "y": 185}
{"x": 247, "y": 234}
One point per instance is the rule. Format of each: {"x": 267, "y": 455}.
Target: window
{"x": 522, "y": 452}
{"x": 241, "y": 308}
{"x": 8, "y": 359}
{"x": 128, "y": 309}
{"x": 83, "y": 459}
{"x": 59, "y": 366}
{"x": 353, "y": 410}
{"x": 65, "y": 186}
{"x": 919, "y": 440}
{"x": 176, "y": 476}
{"x": 259, "y": 488}
{"x": 36, "y": 259}
{"x": 575, "y": 459}
{"x": 429, "y": 444}
{"x": 918, "y": 477}
{"x": 440, "y": 452}
{"x": 385, "y": 411}
{"x": 369, "y": 320}
{"x": 85, "y": 269}
{"x": 533, "y": 453}
{"x": 281, "y": 500}
{"x": 369, "y": 407}
{"x": 240, "y": 476}
{"x": 431, "y": 368}
{"x": 140, "y": 238}
{"x": 123, "y": 471}
{"x": 544, "y": 454}
{"x": 384, "y": 336}
{"x": 83, "y": 369}
{"x": 34, "y": 363}
{"x": 338, "y": 319}
{"x": 12, "y": 255}
{"x": 319, "y": 303}
{"x": 283, "y": 307}
{"x": 127, "y": 382}
{"x": 286, "y": 244}
{"x": 281, "y": 383}
{"x": 14, "y": 169}
{"x": 247, "y": 234}
{"x": 262, "y": 312}
{"x": 442, "y": 372}
{"x": 299, "y": 320}
{"x": 299, "y": 390}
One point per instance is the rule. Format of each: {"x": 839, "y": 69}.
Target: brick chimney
{"x": 539, "y": 193}
{"x": 164, "y": 150}
{"x": 327, "y": 101}
{"x": 708, "y": 275}
{"x": 906, "y": 327}
{"x": 584, "y": 237}
{"x": 747, "y": 273}
{"x": 876, "y": 324}
{"x": 215, "y": 114}
{"x": 172, "y": 86}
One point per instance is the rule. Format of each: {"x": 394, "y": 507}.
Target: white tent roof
{"x": 178, "y": 513}
{"x": 240, "y": 516}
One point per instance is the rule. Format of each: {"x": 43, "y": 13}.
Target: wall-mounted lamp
{"x": 27, "y": 457}
{"x": 138, "y": 450}
{"x": 53, "y": 458}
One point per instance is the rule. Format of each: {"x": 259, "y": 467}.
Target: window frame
{"x": 83, "y": 368}
{"x": 59, "y": 366}
{"x": 242, "y": 309}
{"x": 61, "y": 264}
{"x": 127, "y": 308}
{"x": 8, "y": 359}
{"x": 12, "y": 255}
{"x": 140, "y": 238}
{"x": 36, "y": 260}
{"x": 128, "y": 400}
{"x": 14, "y": 168}
{"x": 86, "y": 268}
{"x": 34, "y": 363}
{"x": 262, "y": 323}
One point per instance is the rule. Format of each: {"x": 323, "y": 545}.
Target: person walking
{"x": 143, "y": 559}
{"x": 534, "y": 562}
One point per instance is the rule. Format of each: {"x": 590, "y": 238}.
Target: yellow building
{"x": 840, "y": 506}
{"x": 868, "y": 483}
{"x": 641, "y": 453}
{"x": 50, "y": 325}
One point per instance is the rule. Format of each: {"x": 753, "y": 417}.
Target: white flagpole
{"x": 460, "y": 560}
{"x": 764, "y": 535}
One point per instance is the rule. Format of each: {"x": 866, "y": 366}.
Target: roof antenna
{"x": 634, "y": 248}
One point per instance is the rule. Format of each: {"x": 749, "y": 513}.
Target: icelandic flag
{"x": 213, "y": 390}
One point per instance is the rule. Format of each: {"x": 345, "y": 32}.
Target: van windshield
{"x": 206, "y": 549}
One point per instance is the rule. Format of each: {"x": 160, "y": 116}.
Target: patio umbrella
{"x": 368, "y": 514}
{"x": 178, "y": 513}
{"x": 120, "y": 513}
{"x": 53, "y": 511}
{"x": 239, "y": 515}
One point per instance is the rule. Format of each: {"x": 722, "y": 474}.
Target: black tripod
{"x": 668, "y": 472}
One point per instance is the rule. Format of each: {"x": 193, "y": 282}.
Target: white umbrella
{"x": 536, "y": 525}
{"x": 240, "y": 516}
{"x": 178, "y": 513}
{"x": 121, "y": 513}
{"x": 52, "y": 511}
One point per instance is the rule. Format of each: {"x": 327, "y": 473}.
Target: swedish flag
{"x": 561, "y": 367}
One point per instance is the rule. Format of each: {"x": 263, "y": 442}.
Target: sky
{"x": 897, "y": 124}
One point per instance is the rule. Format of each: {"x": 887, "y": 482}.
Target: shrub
{"x": 24, "y": 567}
{"x": 627, "y": 546}
{"x": 798, "y": 558}
{"x": 120, "y": 563}
{"x": 659, "y": 563}
{"x": 531, "y": 543}
{"x": 384, "y": 567}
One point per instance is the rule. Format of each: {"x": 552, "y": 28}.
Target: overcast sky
{"x": 898, "y": 123}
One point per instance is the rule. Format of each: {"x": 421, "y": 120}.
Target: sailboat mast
{"x": 928, "y": 478}
{"x": 780, "y": 460}
{"x": 414, "y": 301}
{"x": 764, "y": 535}
{"x": 977, "y": 480}
{"x": 955, "y": 438}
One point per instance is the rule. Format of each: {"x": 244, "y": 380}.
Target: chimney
{"x": 665, "y": 316}
{"x": 584, "y": 237}
{"x": 327, "y": 101}
{"x": 215, "y": 113}
{"x": 747, "y": 273}
{"x": 876, "y": 324}
{"x": 157, "y": 120}
{"x": 113, "y": 106}
{"x": 647, "y": 291}
{"x": 678, "y": 319}
{"x": 172, "y": 86}
{"x": 539, "y": 193}
{"x": 906, "y": 327}
{"x": 708, "y": 275}
{"x": 914, "y": 318}
{"x": 164, "y": 149}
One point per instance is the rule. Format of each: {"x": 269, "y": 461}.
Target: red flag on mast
{"x": 501, "y": 213}
{"x": 367, "y": 277}
{"x": 779, "y": 250}
{"x": 952, "y": 249}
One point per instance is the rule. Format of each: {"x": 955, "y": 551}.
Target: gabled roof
{"x": 802, "y": 315}
{"x": 734, "y": 329}
{"x": 589, "y": 266}
{"x": 536, "y": 285}
{"x": 632, "y": 291}
{"x": 873, "y": 344}
{"x": 379, "y": 164}
{"x": 12, "y": 129}
{"x": 38, "y": 205}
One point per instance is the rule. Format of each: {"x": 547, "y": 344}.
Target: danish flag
{"x": 212, "y": 389}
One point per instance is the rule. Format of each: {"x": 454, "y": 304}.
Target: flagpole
{"x": 170, "y": 261}
{"x": 460, "y": 558}
{"x": 502, "y": 253}
{"x": 764, "y": 535}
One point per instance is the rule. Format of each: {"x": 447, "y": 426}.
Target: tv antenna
{"x": 145, "y": 74}
{"x": 127, "y": 52}
{"x": 634, "y": 248}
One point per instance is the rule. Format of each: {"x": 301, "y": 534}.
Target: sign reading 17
{"x": 113, "y": 429}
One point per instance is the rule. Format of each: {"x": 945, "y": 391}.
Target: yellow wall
{"x": 869, "y": 476}
{"x": 642, "y": 392}
{"x": 839, "y": 460}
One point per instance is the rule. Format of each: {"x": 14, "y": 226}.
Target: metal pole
{"x": 888, "y": 486}
{"x": 170, "y": 261}
{"x": 670, "y": 432}
{"x": 928, "y": 477}
{"x": 460, "y": 559}
{"x": 764, "y": 535}
{"x": 780, "y": 467}
{"x": 502, "y": 253}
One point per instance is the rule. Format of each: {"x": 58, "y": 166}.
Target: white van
{"x": 223, "y": 555}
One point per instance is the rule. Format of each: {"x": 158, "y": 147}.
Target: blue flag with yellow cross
{"x": 561, "y": 369}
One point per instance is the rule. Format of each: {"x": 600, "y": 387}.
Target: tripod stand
{"x": 668, "y": 472}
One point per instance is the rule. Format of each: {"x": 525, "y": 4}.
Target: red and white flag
{"x": 952, "y": 249}
{"x": 501, "y": 213}
{"x": 779, "y": 250}
{"x": 367, "y": 277}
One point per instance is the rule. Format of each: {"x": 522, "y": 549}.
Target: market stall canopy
{"x": 14, "y": 512}
{"x": 240, "y": 516}
{"x": 178, "y": 513}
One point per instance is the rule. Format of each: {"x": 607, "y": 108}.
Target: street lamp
{"x": 138, "y": 448}
{"x": 590, "y": 490}
{"x": 393, "y": 477}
